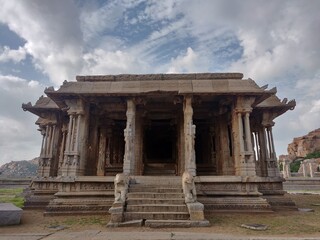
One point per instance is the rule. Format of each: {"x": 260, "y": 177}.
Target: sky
{"x": 44, "y": 42}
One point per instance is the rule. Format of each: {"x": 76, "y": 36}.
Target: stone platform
{"x": 9, "y": 214}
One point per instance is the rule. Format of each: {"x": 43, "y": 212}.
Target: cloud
{"x": 274, "y": 42}
{"x": 19, "y": 136}
{"x": 95, "y": 20}
{"x": 188, "y": 62}
{"x": 52, "y": 33}
{"x": 15, "y": 55}
{"x": 100, "y": 61}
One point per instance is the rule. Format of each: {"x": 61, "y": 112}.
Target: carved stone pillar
{"x": 304, "y": 168}
{"x": 129, "y": 137}
{"x": 102, "y": 152}
{"x": 76, "y": 147}
{"x": 263, "y": 151}
{"x": 108, "y": 147}
{"x": 62, "y": 149}
{"x": 269, "y": 150}
{"x": 310, "y": 163}
{"x": 286, "y": 169}
{"x": 48, "y": 162}
{"x": 189, "y": 137}
{"x": 244, "y": 155}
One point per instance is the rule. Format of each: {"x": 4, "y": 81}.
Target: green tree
{"x": 315, "y": 154}
{"x": 295, "y": 165}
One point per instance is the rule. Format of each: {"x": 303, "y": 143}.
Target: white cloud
{"x": 279, "y": 45}
{"x": 188, "y": 62}
{"x": 19, "y": 136}
{"x": 52, "y": 33}
{"x": 95, "y": 19}
{"x": 109, "y": 62}
{"x": 15, "y": 55}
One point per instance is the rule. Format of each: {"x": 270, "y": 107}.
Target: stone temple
{"x": 152, "y": 128}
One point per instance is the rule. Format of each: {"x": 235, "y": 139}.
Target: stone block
{"x": 9, "y": 214}
{"x": 196, "y": 211}
{"x": 116, "y": 214}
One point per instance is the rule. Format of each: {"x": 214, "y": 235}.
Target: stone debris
{"x": 315, "y": 204}
{"x": 305, "y": 210}
{"x": 255, "y": 226}
{"x": 57, "y": 227}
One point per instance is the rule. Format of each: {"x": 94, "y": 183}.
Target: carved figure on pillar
{"x": 121, "y": 182}
{"x": 189, "y": 188}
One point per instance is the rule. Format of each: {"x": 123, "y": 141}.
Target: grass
{"x": 12, "y": 195}
{"x": 279, "y": 223}
{"x": 81, "y": 221}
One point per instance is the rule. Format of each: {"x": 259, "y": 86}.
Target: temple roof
{"x": 153, "y": 77}
{"x": 126, "y": 85}
{"x": 273, "y": 103}
{"x": 43, "y": 104}
{"x": 123, "y": 85}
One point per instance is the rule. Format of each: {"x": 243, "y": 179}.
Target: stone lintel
{"x": 150, "y": 77}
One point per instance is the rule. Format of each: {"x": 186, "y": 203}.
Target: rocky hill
{"x": 301, "y": 146}
{"x": 19, "y": 169}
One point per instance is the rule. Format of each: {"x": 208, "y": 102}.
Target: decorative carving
{"x": 189, "y": 188}
{"x": 121, "y": 182}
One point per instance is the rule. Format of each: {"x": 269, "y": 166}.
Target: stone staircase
{"x": 157, "y": 201}
{"x": 155, "y": 198}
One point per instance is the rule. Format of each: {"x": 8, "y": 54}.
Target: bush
{"x": 294, "y": 166}
{"x": 313, "y": 155}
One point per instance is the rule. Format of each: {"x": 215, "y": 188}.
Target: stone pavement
{"x": 101, "y": 235}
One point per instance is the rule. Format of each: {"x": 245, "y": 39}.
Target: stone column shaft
{"x": 129, "y": 136}
{"x": 189, "y": 135}
{"x": 248, "y": 132}
{"x": 240, "y": 128}
{"x": 102, "y": 153}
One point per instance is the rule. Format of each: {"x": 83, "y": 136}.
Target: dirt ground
{"x": 283, "y": 223}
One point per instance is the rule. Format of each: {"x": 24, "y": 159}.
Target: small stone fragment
{"x": 57, "y": 227}
{"x": 315, "y": 204}
{"x": 305, "y": 210}
{"x": 254, "y": 226}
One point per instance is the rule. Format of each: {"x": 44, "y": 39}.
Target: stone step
{"x": 163, "y": 180}
{"x": 147, "y": 185}
{"x": 138, "y": 201}
{"x": 154, "y": 189}
{"x": 154, "y": 195}
{"x": 129, "y": 216}
{"x": 176, "y": 223}
{"x": 157, "y": 208}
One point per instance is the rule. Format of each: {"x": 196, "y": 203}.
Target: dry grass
{"x": 291, "y": 223}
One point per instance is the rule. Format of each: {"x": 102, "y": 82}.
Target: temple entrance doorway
{"x": 205, "y": 148}
{"x": 160, "y": 145}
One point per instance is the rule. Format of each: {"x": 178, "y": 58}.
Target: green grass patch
{"x": 12, "y": 195}
{"x": 83, "y": 221}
